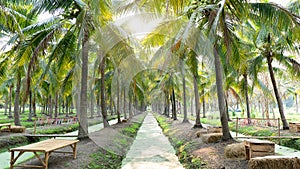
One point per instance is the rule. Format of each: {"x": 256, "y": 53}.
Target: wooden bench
{"x": 45, "y": 147}
{"x": 6, "y": 125}
{"x": 258, "y": 148}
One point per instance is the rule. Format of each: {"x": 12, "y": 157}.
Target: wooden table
{"x": 258, "y": 148}
{"x": 45, "y": 147}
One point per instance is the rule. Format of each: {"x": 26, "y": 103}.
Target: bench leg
{"x": 46, "y": 160}
{"x": 12, "y": 159}
{"x": 74, "y": 146}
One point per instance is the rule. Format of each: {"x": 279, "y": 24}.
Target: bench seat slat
{"x": 46, "y": 146}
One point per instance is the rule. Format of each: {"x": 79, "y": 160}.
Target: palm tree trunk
{"x": 111, "y": 105}
{"x": 98, "y": 105}
{"x": 203, "y": 105}
{"x": 30, "y": 106}
{"x": 124, "y": 103}
{"x": 102, "y": 91}
{"x": 297, "y": 109}
{"x": 83, "y": 124}
{"x": 56, "y": 106}
{"x": 226, "y": 107}
{"x": 165, "y": 109}
{"x": 51, "y": 107}
{"x": 67, "y": 107}
{"x": 130, "y": 107}
{"x": 192, "y": 106}
{"x": 278, "y": 98}
{"x": 34, "y": 105}
{"x": 185, "y": 118}
{"x": 17, "y": 101}
{"x": 118, "y": 98}
{"x": 247, "y": 98}
{"x": 174, "y": 115}
{"x": 10, "y": 101}
{"x": 221, "y": 99}
{"x": 197, "y": 104}
{"x": 92, "y": 103}
{"x": 5, "y": 107}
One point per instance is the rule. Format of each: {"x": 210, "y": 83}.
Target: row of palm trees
{"x": 81, "y": 55}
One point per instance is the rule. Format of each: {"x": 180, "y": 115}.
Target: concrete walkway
{"x": 151, "y": 149}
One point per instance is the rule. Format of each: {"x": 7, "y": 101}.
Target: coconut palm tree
{"x": 272, "y": 39}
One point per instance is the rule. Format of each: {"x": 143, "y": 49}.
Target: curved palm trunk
{"x": 185, "y": 118}
{"x": 221, "y": 99}
{"x": 83, "y": 124}
{"x": 17, "y": 102}
{"x": 247, "y": 99}
{"x": 278, "y": 98}
{"x": 197, "y": 104}
{"x": 103, "y": 104}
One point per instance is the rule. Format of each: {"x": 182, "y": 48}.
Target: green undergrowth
{"x": 259, "y": 131}
{"x": 7, "y": 142}
{"x": 105, "y": 159}
{"x": 183, "y": 147}
{"x": 112, "y": 159}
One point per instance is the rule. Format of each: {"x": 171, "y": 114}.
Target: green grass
{"x": 183, "y": 148}
{"x": 105, "y": 159}
{"x": 109, "y": 159}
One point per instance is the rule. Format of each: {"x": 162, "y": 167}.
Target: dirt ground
{"x": 98, "y": 142}
{"x": 211, "y": 154}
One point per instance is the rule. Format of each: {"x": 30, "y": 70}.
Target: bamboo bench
{"x": 45, "y": 147}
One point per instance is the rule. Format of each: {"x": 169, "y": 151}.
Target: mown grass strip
{"x": 183, "y": 148}
{"x": 109, "y": 159}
